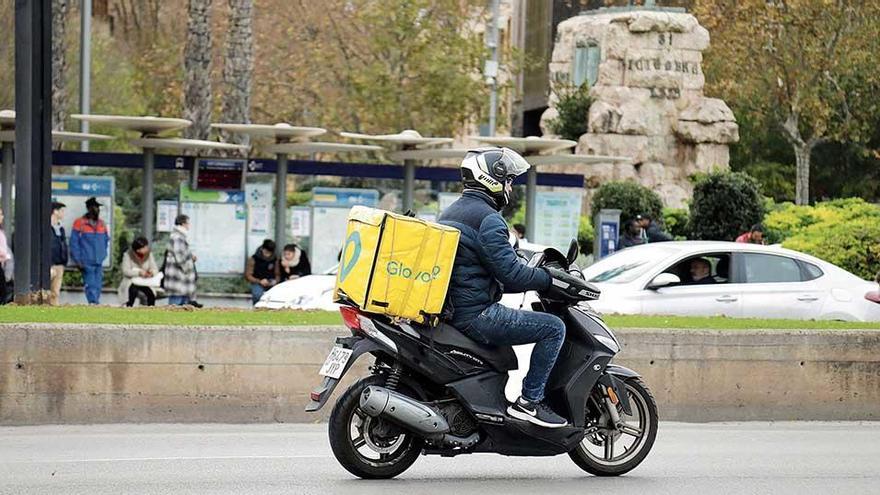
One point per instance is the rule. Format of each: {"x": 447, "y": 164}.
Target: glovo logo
{"x": 354, "y": 240}
{"x": 398, "y": 269}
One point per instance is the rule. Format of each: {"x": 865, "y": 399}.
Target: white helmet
{"x": 488, "y": 169}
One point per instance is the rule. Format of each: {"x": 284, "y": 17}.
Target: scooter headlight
{"x": 608, "y": 342}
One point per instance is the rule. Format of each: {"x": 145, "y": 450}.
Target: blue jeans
{"x": 257, "y": 291}
{"x": 178, "y": 300}
{"x": 500, "y": 325}
{"x": 93, "y": 279}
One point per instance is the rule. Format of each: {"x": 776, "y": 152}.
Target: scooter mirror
{"x": 572, "y": 251}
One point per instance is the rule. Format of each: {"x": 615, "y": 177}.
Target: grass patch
{"x": 164, "y": 315}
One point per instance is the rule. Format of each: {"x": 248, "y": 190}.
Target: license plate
{"x": 335, "y": 362}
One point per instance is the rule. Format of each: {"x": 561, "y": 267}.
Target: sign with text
{"x": 218, "y": 229}
{"x": 557, "y": 215}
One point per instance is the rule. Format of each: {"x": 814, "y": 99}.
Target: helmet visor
{"x": 516, "y": 164}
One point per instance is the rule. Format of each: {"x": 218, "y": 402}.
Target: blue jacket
{"x": 486, "y": 266}
{"x": 89, "y": 241}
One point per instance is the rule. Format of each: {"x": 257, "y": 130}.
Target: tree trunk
{"x": 802, "y": 155}
{"x": 59, "y": 64}
{"x": 238, "y": 67}
{"x": 197, "y": 67}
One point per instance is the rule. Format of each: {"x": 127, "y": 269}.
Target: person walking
{"x": 139, "y": 270}
{"x": 262, "y": 270}
{"x": 294, "y": 263}
{"x": 60, "y": 252}
{"x": 179, "y": 266}
{"x": 89, "y": 244}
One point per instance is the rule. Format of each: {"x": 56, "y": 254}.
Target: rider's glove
{"x": 565, "y": 286}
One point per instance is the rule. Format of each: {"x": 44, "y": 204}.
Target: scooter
{"x": 434, "y": 391}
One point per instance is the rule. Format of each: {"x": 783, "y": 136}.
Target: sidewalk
{"x": 110, "y": 298}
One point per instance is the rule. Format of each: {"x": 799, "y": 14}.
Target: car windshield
{"x": 627, "y": 265}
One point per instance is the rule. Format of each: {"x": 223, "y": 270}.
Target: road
{"x": 747, "y": 458}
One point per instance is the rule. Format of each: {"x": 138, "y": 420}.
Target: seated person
{"x": 294, "y": 263}
{"x": 262, "y": 270}
{"x": 701, "y": 272}
{"x": 139, "y": 271}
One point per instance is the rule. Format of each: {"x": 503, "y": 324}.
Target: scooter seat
{"x": 501, "y": 358}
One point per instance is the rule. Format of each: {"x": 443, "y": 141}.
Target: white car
{"x": 747, "y": 281}
{"x": 309, "y": 292}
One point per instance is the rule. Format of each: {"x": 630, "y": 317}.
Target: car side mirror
{"x": 572, "y": 251}
{"x": 664, "y": 280}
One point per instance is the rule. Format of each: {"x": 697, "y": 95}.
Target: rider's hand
{"x": 567, "y": 286}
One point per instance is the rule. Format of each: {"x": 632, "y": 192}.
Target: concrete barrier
{"x": 102, "y": 374}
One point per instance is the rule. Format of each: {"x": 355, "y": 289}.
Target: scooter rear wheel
{"x": 370, "y": 448}
{"x": 639, "y": 430}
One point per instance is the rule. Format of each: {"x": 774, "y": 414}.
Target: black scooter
{"x": 433, "y": 390}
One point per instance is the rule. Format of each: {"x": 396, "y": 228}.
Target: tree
{"x": 238, "y": 67}
{"x": 372, "y": 66}
{"x": 59, "y": 64}
{"x": 725, "y": 205}
{"x": 803, "y": 66}
{"x": 630, "y": 198}
{"x": 197, "y": 66}
{"x": 573, "y": 104}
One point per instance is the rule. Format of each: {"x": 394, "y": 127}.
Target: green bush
{"x": 585, "y": 235}
{"x": 630, "y": 198}
{"x": 845, "y": 232}
{"x": 573, "y": 104}
{"x": 676, "y": 221}
{"x": 725, "y": 205}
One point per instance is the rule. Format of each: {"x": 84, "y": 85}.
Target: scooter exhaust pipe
{"x": 405, "y": 411}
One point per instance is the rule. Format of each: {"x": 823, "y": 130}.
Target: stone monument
{"x": 644, "y": 67}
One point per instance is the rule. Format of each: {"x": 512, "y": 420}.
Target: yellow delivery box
{"x": 395, "y": 265}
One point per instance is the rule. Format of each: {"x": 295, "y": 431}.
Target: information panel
{"x": 166, "y": 213}
{"x": 557, "y": 215}
{"x": 74, "y": 190}
{"x": 258, "y": 197}
{"x": 330, "y": 206}
{"x": 218, "y": 229}
{"x": 328, "y": 224}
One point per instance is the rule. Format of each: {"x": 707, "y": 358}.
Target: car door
{"x": 720, "y": 298}
{"x": 776, "y": 286}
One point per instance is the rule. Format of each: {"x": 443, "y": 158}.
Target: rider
{"x": 486, "y": 266}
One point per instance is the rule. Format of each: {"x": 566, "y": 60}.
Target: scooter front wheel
{"x": 367, "y": 447}
{"x": 612, "y": 451}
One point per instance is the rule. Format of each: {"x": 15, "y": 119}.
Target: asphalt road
{"x": 747, "y": 458}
